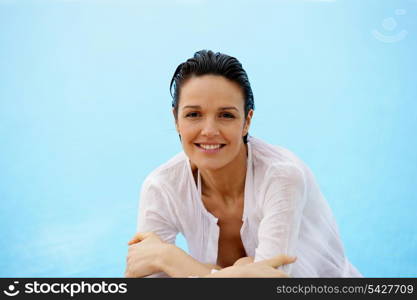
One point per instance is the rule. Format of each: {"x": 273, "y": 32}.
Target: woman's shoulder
{"x": 274, "y": 158}
{"x": 277, "y": 169}
{"x": 169, "y": 172}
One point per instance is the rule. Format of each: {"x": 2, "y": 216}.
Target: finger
{"x": 140, "y": 236}
{"x": 280, "y": 260}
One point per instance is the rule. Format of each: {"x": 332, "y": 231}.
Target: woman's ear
{"x": 247, "y": 122}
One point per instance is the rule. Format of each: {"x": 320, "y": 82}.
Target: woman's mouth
{"x": 210, "y": 148}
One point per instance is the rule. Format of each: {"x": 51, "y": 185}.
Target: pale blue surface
{"x": 85, "y": 115}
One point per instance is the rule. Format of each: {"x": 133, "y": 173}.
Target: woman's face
{"x": 211, "y": 120}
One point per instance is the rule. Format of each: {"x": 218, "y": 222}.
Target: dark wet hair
{"x": 207, "y": 62}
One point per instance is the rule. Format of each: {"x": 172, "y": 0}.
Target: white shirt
{"x": 284, "y": 213}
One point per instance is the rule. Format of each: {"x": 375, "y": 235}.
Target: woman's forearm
{"x": 177, "y": 263}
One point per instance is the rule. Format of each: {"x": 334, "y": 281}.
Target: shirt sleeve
{"x": 156, "y": 214}
{"x": 282, "y": 208}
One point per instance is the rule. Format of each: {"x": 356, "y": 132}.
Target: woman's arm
{"x": 264, "y": 268}
{"x": 177, "y": 263}
{"x": 151, "y": 256}
{"x": 284, "y": 200}
{"x": 156, "y": 214}
{"x": 148, "y": 254}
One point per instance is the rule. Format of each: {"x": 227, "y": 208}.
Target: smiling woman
{"x": 245, "y": 207}
{"x": 211, "y": 119}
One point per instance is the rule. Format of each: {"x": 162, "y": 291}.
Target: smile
{"x": 210, "y": 148}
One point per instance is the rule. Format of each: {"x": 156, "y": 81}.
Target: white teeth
{"x": 210, "y": 147}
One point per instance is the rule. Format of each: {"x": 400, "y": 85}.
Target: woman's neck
{"x": 227, "y": 183}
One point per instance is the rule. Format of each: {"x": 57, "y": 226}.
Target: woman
{"x": 236, "y": 199}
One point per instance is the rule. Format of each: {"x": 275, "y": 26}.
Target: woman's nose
{"x": 210, "y": 128}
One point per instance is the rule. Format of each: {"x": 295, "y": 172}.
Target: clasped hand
{"x": 144, "y": 255}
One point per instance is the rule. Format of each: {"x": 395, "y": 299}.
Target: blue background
{"x": 85, "y": 115}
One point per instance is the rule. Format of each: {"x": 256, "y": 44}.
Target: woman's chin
{"x": 209, "y": 164}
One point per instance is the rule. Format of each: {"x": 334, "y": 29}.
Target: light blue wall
{"x": 85, "y": 116}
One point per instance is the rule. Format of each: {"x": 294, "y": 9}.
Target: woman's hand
{"x": 244, "y": 261}
{"x": 144, "y": 255}
{"x": 264, "y": 268}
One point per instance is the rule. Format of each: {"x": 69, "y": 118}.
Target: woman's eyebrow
{"x": 228, "y": 107}
{"x": 191, "y": 106}
{"x": 199, "y": 107}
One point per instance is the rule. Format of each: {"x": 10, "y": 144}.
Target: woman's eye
{"x": 227, "y": 115}
{"x": 192, "y": 115}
